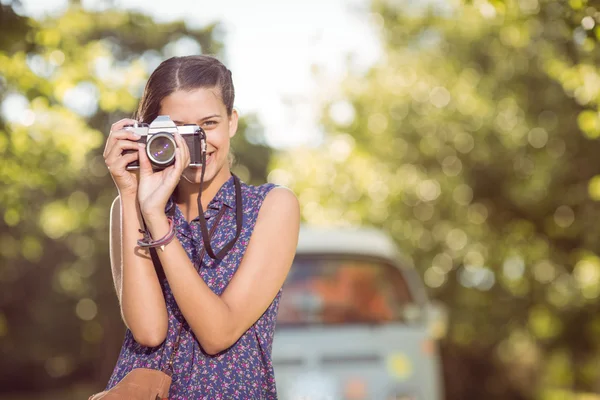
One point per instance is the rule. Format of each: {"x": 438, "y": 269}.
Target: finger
{"x": 121, "y": 123}
{"x": 170, "y": 174}
{"x": 117, "y": 150}
{"x": 117, "y": 126}
{"x": 185, "y": 151}
{"x": 125, "y": 134}
{"x": 121, "y": 164}
{"x": 115, "y": 136}
{"x": 175, "y": 169}
{"x": 177, "y": 162}
{"x": 183, "y": 160}
{"x": 145, "y": 165}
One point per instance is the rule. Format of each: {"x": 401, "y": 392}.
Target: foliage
{"x": 63, "y": 81}
{"x": 473, "y": 142}
{"x": 465, "y": 144}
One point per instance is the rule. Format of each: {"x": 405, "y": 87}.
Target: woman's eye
{"x": 210, "y": 123}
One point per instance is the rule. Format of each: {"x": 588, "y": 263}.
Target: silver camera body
{"x": 160, "y": 142}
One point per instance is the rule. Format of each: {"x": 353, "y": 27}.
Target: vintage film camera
{"x": 161, "y": 145}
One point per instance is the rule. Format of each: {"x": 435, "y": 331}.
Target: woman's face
{"x": 204, "y": 108}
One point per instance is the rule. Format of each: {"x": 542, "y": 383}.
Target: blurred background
{"x": 466, "y": 130}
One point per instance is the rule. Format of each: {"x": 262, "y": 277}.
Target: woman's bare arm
{"x": 138, "y": 289}
{"x": 219, "y": 321}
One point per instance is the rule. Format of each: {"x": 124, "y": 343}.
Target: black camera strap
{"x": 238, "y": 210}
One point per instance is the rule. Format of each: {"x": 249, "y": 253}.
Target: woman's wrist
{"x": 157, "y": 225}
{"x": 151, "y": 210}
{"x": 128, "y": 197}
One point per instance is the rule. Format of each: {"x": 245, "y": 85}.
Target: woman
{"x": 226, "y": 307}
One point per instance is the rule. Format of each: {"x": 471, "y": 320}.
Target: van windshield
{"x": 331, "y": 291}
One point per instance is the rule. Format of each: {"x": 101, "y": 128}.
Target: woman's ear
{"x": 233, "y": 123}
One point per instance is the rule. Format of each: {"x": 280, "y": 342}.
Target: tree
{"x": 63, "y": 81}
{"x": 463, "y": 144}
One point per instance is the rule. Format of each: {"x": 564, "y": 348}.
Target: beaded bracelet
{"x": 147, "y": 241}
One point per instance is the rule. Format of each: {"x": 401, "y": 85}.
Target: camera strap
{"x": 238, "y": 214}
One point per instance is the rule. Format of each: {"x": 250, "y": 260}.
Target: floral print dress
{"x": 244, "y": 371}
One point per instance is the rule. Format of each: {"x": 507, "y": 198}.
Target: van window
{"x": 329, "y": 291}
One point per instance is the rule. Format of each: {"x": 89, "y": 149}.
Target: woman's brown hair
{"x": 184, "y": 73}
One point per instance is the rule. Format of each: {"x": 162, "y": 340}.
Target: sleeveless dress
{"x": 245, "y": 370}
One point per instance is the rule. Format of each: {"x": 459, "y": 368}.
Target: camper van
{"x": 355, "y": 322}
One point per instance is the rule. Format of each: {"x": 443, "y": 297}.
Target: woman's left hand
{"x": 155, "y": 188}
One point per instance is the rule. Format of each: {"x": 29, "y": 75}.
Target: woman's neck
{"x": 186, "y": 193}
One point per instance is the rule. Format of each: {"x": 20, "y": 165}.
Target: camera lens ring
{"x": 160, "y": 148}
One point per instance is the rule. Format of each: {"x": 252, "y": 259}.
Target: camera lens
{"x": 161, "y": 149}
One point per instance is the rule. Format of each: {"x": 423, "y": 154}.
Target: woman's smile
{"x": 209, "y": 157}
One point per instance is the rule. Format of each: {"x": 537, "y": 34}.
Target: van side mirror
{"x": 437, "y": 319}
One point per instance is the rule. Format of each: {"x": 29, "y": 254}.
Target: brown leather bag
{"x": 139, "y": 384}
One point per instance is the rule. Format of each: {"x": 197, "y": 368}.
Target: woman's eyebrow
{"x": 210, "y": 116}
{"x": 200, "y": 120}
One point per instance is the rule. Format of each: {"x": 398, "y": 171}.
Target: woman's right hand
{"x": 118, "y": 141}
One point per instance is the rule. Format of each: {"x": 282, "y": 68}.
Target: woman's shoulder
{"x": 272, "y": 201}
{"x": 270, "y": 190}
